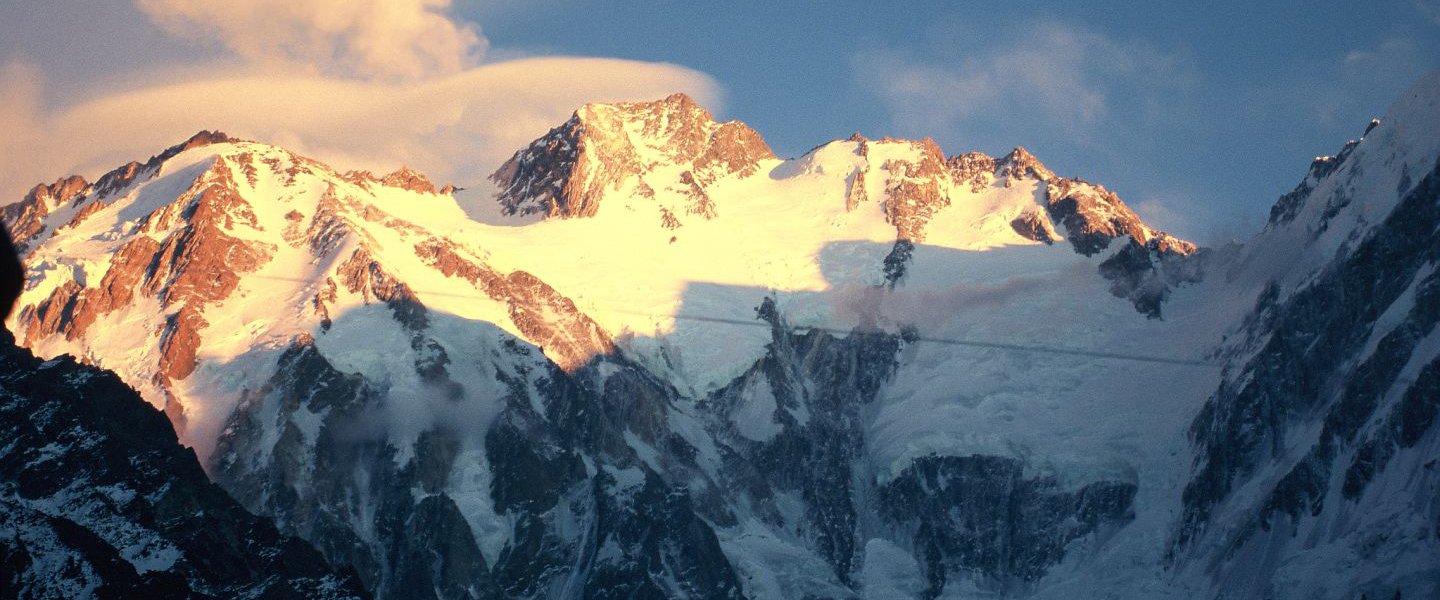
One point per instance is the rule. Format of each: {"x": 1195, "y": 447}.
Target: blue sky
{"x": 1198, "y": 114}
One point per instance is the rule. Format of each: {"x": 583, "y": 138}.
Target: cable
{"x": 843, "y": 332}
{"x": 974, "y": 343}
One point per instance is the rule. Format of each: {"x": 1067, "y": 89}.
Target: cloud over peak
{"x": 454, "y": 128}
{"x": 370, "y": 39}
{"x": 369, "y": 84}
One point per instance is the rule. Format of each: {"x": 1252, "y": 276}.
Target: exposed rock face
{"x": 606, "y": 146}
{"x": 1034, "y": 225}
{"x": 1146, "y": 273}
{"x": 915, "y": 190}
{"x": 613, "y": 149}
{"x": 71, "y": 308}
{"x": 100, "y": 499}
{"x": 117, "y": 180}
{"x": 1020, "y": 164}
{"x": 856, "y": 195}
{"x": 1092, "y": 215}
{"x": 1285, "y": 210}
{"x": 1326, "y": 413}
{"x": 415, "y": 547}
{"x": 982, "y": 514}
{"x": 26, "y": 218}
{"x": 897, "y": 261}
{"x": 973, "y": 169}
{"x": 407, "y": 179}
{"x": 403, "y": 178}
{"x": 542, "y": 314}
{"x": 644, "y": 537}
{"x": 84, "y": 212}
{"x": 976, "y": 519}
{"x": 1303, "y": 342}
{"x": 197, "y": 261}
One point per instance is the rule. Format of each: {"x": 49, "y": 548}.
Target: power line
{"x": 974, "y": 343}
{"x": 1035, "y": 348}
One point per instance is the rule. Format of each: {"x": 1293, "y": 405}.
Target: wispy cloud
{"x": 389, "y": 39}
{"x": 357, "y": 84}
{"x": 1051, "y": 75}
{"x": 454, "y": 128}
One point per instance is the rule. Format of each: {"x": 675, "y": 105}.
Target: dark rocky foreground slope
{"x": 99, "y": 499}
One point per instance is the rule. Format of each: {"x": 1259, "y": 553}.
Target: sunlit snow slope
{"x": 655, "y": 358}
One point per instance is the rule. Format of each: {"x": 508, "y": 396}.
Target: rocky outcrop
{"x": 1035, "y": 225}
{"x": 1020, "y": 164}
{"x": 856, "y": 195}
{"x": 543, "y": 315}
{"x": 97, "y": 497}
{"x": 85, "y": 212}
{"x": 26, "y": 218}
{"x": 362, "y": 274}
{"x": 118, "y": 179}
{"x": 71, "y": 308}
{"x": 403, "y": 178}
{"x": 1288, "y": 207}
{"x": 981, "y": 515}
{"x": 604, "y": 147}
{"x": 973, "y": 170}
{"x": 915, "y": 189}
{"x": 406, "y": 179}
{"x": 197, "y": 261}
{"x": 1092, "y": 215}
{"x": 1146, "y": 273}
{"x": 1144, "y": 270}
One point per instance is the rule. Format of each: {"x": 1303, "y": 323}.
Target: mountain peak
{"x": 204, "y": 137}
{"x": 28, "y": 216}
{"x": 604, "y": 147}
{"x": 403, "y": 178}
{"x": 678, "y": 103}
{"x": 408, "y": 179}
{"x": 1021, "y": 164}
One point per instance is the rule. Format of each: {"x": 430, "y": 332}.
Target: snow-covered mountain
{"x": 675, "y": 365}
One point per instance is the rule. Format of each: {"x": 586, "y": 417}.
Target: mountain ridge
{"x": 568, "y": 407}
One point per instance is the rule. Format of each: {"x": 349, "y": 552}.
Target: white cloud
{"x": 454, "y": 128}
{"x": 385, "y": 39}
{"x": 1050, "y": 74}
{"x": 369, "y": 84}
